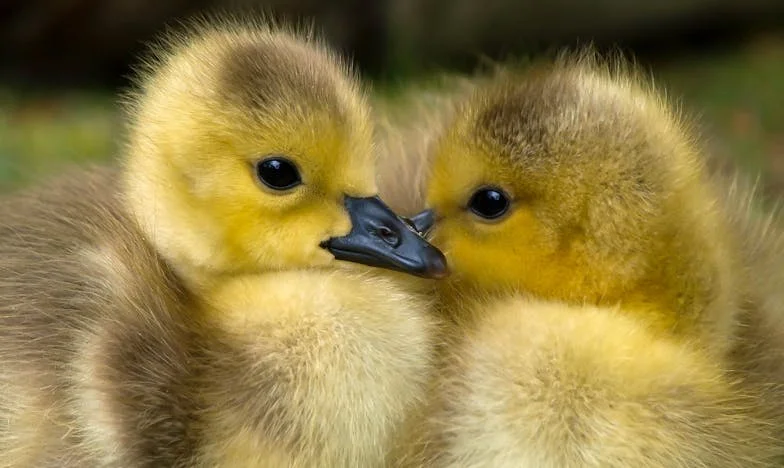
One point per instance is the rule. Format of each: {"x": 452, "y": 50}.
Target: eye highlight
{"x": 278, "y": 173}
{"x": 489, "y": 203}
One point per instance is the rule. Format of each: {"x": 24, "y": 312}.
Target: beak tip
{"x": 437, "y": 267}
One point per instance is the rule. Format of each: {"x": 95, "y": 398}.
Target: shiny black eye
{"x": 278, "y": 173}
{"x": 489, "y": 203}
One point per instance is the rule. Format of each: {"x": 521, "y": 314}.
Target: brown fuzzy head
{"x": 575, "y": 182}
{"x": 212, "y": 105}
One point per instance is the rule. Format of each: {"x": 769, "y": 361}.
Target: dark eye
{"x": 278, "y": 173}
{"x": 489, "y": 203}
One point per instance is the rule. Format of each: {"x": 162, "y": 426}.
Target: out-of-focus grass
{"x": 738, "y": 97}
{"x": 42, "y": 134}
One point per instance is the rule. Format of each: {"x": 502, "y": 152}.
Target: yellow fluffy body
{"x": 340, "y": 367}
{"x": 541, "y": 384}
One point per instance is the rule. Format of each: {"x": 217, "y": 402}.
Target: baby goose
{"x": 576, "y": 184}
{"x": 189, "y": 310}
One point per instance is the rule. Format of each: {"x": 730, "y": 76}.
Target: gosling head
{"x": 570, "y": 181}
{"x": 250, "y": 150}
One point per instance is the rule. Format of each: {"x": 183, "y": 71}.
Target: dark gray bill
{"x": 381, "y": 239}
{"x": 423, "y": 222}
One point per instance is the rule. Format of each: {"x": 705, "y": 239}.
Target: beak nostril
{"x": 388, "y": 235}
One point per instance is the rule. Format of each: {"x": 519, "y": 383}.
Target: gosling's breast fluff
{"x": 235, "y": 294}
{"x": 604, "y": 298}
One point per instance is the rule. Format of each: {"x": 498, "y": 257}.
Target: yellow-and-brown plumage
{"x": 188, "y": 309}
{"x": 613, "y": 304}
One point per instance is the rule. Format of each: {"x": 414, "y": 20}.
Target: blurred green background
{"x": 63, "y": 61}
